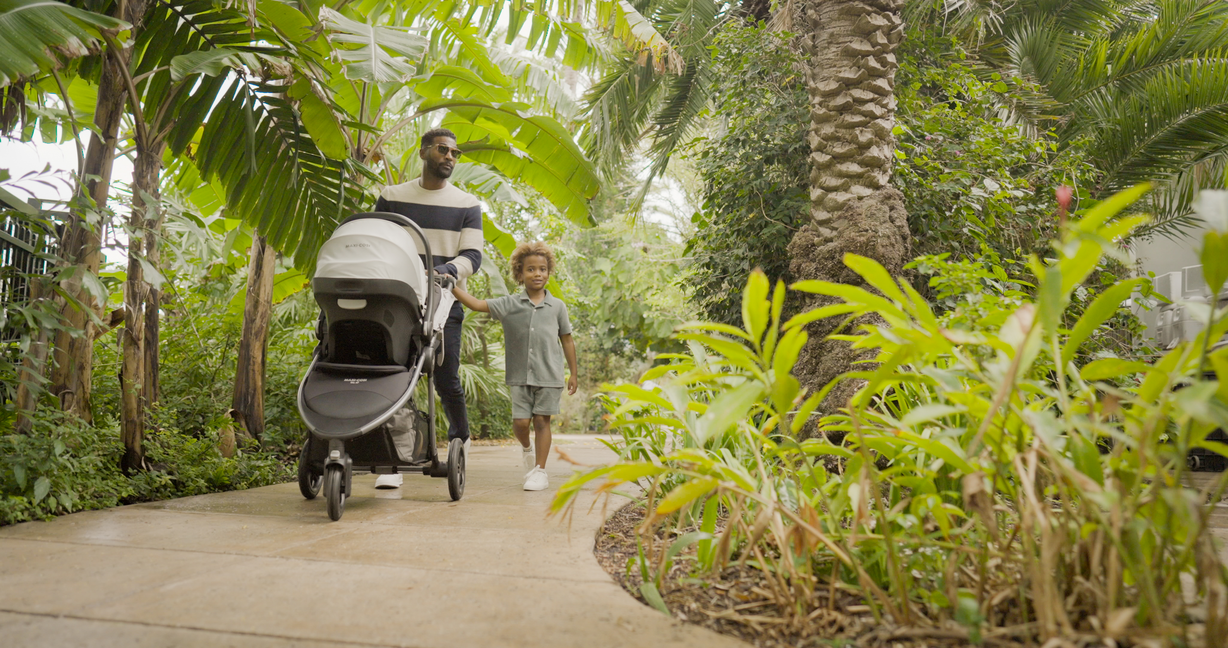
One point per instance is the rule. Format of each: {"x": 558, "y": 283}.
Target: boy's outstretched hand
{"x": 572, "y": 385}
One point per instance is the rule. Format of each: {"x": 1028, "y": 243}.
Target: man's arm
{"x": 469, "y": 257}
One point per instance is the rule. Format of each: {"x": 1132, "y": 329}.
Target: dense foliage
{"x": 989, "y": 476}
{"x": 754, "y": 168}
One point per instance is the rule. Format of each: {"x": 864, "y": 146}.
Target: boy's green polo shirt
{"x": 533, "y": 354}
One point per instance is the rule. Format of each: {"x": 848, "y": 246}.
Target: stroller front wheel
{"x": 308, "y": 482}
{"x": 334, "y": 491}
{"x": 456, "y": 469}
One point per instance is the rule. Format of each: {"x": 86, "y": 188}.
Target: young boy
{"x": 537, "y": 335}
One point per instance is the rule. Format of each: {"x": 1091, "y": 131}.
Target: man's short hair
{"x": 428, "y": 137}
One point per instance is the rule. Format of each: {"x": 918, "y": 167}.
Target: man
{"x": 452, "y": 222}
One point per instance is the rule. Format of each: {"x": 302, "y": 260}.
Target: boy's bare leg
{"x": 520, "y": 427}
{"x": 541, "y": 426}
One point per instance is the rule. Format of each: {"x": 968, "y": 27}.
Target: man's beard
{"x": 442, "y": 171}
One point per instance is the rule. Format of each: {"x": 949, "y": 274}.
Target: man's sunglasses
{"x": 446, "y": 150}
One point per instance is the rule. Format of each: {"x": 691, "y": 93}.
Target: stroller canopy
{"x": 371, "y": 248}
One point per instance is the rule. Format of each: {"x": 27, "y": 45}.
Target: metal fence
{"x": 23, "y": 252}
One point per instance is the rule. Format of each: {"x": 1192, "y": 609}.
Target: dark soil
{"x": 738, "y": 602}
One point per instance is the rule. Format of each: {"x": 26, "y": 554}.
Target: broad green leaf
{"x": 321, "y": 121}
{"x": 1086, "y": 457}
{"x": 1214, "y": 257}
{"x": 379, "y": 54}
{"x": 928, "y": 412}
{"x": 823, "y": 312}
{"x": 755, "y": 306}
{"x": 210, "y": 62}
{"x": 540, "y": 153}
{"x": 643, "y": 395}
{"x": 787, "y": 352}
{"x": 1051, "y": 300}
{"x": 30, "y": 28}
{"x": 1107, "y": 368}
{"x": 287, "y": 283}
{"x": 685, "y": 493}
{"x": 453, "y": 82}
{"x": 1100, "y": 310}
{"x": 151, "y": 274}
{"x": 481, "y": 180}
{"x": 42, "y": 486}
{"x": 875, "y": 275}
{"x": 684, "y": 541}
{"x": 629, "y": 472}
{"x": 729, "y": 409}
{"x": 653, "y": 597}
{"x": 637, "y": 33}
{"x": 1098, "y": 215}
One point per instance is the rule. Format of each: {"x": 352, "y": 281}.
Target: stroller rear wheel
{"x": 334, "y": 491}
{"x": 309, "y": 482}
{"x": 456, "y": 469}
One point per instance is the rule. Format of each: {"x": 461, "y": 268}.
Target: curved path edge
{"x": 264, "y": 567}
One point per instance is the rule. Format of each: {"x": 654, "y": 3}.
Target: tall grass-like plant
{"x": 991, "y": 481}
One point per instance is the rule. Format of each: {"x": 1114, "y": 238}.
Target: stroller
{"x": 381, "y": 332}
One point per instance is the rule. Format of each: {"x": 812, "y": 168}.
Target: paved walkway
{"x": 266, "y": 568}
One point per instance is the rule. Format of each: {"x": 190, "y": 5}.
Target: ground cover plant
{"x": 993, "y": 485}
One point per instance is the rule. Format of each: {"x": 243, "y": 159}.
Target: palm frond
{"x": 30, "y": 29}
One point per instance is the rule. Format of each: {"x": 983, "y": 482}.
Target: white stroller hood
{"x": 371, "y": 248}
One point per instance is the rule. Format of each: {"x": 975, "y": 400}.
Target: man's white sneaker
{"x": 528, "y": 457}
{"x": 536, "y": 480}
{"x": 389, "y": 481}
{"x": 467, "y": 448}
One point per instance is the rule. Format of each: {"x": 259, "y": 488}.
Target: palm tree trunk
{"x": 145, "y": 210}
{"x": 81, "y": 245}
{"x": 248, "y": 402}
{"x": 850, "y": 78}
{"x": 153, "y": 302}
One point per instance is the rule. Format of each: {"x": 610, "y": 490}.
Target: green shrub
{"x": 990, "y": 475}
{"x": 66, "y": 465}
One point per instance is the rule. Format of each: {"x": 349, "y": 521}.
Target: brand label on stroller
{"x": 355, "y": 381}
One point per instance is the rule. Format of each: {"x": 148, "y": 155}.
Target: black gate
{"x": 24, "y": 251}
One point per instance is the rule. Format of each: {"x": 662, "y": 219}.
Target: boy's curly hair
{"x": 536, "y": 248}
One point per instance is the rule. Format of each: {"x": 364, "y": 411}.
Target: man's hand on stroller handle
{"x": 446, "y": 281}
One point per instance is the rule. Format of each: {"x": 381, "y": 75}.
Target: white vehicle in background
{"x": 1171, "y": 263}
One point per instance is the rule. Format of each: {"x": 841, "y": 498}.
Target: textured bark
{"x": 851, "y": 81}
{"x": 145, "y": 213}
{"x": 876, "y": 227}
{"x": 32, "y": 366}
{"x": 153, "y": 302}
{"x": 81, "y": 244}
{"x": 248, "y": 402}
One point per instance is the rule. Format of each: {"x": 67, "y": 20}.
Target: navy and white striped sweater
{"x": 450, "y": 218}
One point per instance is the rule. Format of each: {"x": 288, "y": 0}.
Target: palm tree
{"x": 850, "y": 78}
{"x": 1141, "y": 86}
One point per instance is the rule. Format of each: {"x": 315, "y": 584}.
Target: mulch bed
{"x": 738, "y": 602}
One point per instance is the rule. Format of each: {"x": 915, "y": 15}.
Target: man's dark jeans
{"x": 447, "y": 376}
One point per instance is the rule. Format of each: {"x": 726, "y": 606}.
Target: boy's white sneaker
{"x": 536, "y": 480}
{"x": 389, "y": 481}
{"x": 528, "y": 457}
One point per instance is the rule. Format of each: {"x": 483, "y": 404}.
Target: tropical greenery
{"x": 935, "y": 200}
{"x": 988, "y": 475}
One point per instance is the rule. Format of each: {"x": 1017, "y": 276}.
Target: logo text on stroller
{"x": 355, "y": 381}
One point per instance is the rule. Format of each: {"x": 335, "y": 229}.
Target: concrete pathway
{"x": 266, "y": 568}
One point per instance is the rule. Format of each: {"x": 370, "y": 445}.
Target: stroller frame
{"x": 326, "y": 461}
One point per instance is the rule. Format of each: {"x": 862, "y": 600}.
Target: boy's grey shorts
{"x": 528, "y": 400}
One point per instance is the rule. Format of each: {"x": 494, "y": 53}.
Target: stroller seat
{"x": 371, "y": 284}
